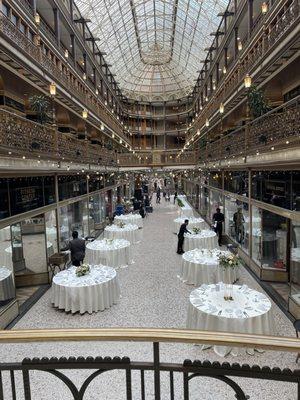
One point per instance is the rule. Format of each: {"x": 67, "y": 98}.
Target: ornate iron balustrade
{"x": 22, "y": 137}
{"x": 163, "y": 158}
{"x": 272, "y": 29}
{"x": 279, "y": 127}
{"x": 137, "y": 374}
{"x": 59, "y": 74}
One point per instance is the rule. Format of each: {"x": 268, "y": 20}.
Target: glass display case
{"x": 237, "y": 224}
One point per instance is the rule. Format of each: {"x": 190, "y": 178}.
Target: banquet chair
{"x": 297, "y": 329}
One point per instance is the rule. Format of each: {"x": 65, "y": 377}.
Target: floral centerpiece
{"x": 109, "y": 241}
{"x": 121, "y": 224}
{"x": 82, "y": 270}
{"x": 196, "y": 230}
{"x": 228, "y": 261}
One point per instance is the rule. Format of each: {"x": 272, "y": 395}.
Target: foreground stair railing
{"x": 188, "y": 369}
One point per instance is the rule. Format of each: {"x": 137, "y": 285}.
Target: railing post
{"x": 156, "y": 371}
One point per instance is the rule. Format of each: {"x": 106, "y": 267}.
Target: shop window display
{"x": 269, "y": 239}
{"x": 237, "y": 221}
{"x": 295, "y": 261}
{"x": 7, "y": 284}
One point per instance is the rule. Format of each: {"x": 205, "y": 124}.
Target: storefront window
{"x": 26, "y": 193}
{"x": 237, "y": 221}
{"x": 4, "y": 205}
{"x": 216, "y": 201}
{"x": 215, "y": 179}
{"x": 96, "y": 182}
{"x": 295, "y": 262}
{"x": 269, "y": 239}
{"x": 236, "y": 182}
{"x": 51, "y": 230}
{"x": 7, "y": 284}
{"x": 71, "y": 186}
{"x": 280, "y": 188}
{"x": 96, "y": 213}
{"x": 73, "y": 217}
{"x": 204, "y": 203}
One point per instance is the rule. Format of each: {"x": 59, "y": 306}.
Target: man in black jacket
{"x": 182, "y": 231}
{"x": 218, "y": 219}
{"x": 77, "y": 248}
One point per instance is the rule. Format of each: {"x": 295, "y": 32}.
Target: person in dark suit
{"x": 218, "y": 219}
{"x": 183, "y": 229}
{"x": 77, "y": 248}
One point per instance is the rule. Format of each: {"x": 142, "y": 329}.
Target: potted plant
{"x": 41, "y": 105}
{"x": 257, "y": 102}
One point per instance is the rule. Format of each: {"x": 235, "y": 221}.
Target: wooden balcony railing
{"x": 60, "y": 75}
{"x": 278, "y": 129}
{"x": 21, "y": 137}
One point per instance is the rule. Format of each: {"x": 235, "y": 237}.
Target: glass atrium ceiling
{"x": 154, "y": 47}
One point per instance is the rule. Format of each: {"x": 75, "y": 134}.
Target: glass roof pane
{"x": 154, "y": 47}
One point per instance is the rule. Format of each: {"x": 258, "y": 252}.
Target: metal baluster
{"x": 171, "y": 385}
{"x": 26, "y": 383}
{"x": 128, "y": 384}
{"x": 186, "y": 395}
{"x": 143, "y": 396}
{"x": 156, "y": 371}
{"x": 1, "y": 387}
{"x": 13, "y": 384}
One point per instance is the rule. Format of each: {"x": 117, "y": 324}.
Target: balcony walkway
{"x": 152, "y": 296}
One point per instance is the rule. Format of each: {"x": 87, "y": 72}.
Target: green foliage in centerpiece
{"x": 228, "y": 261}
{"x": 180, "y": 203}
{"x": 196, "y": 230}
{"x": 82, "y": 270}
{"x": 109, "y": 241}
{"x": 121, "y": 224}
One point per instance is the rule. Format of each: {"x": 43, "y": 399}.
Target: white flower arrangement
{"x": 196, "y": 230}
{"x": 121, "y": 224}
{"x": 109, "y": 241}
{"x": 82, "y": 270}
{"x": 228, "y": 261}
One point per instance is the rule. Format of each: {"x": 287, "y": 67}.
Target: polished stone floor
{"x": 152, "y": 296}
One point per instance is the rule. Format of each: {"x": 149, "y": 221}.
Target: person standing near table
{"x": 218, "y": 219}
{"x": 175, "y": 196}
{"x": 183, "y": 229}
{"x": 77, "y": 249}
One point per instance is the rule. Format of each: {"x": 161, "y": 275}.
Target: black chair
{"x": 297, "y": 329}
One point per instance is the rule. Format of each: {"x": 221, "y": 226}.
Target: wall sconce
{"x": 207, "y": 122}
{"x": 264, "y": 7}
{"x": 224, "y": 70}
{"x": 247, "y": 81}
{"x": 52, "y": 88}
{"x": 37, "y": 19}
{"x": 221, "y": 108}
{"x": 240, "y": 45}
{"x": 84, "y": 114}
{"x": 102, "y": 127}
{"x": 66, "y": 53}
{"x": 84, "y": 76}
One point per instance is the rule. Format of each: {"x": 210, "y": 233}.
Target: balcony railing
{"x": 21, "y": 137}
{"x": 284, "y": 19}
{"x": 167, "y": 380}
{"x": 159, "y": 158}
{"x": 278, "y": 129}
{"x": 59, "y": 75}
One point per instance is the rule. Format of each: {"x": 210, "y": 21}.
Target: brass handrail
{"x": 275, "y": 343}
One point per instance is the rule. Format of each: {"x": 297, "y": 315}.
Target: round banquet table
{"x": 202, "y": 266}
{"x": 249, "y": 312}
{"x": 115, "y": 254}
{"x": 7, "y": 254}
{"x": 129, "y": 232}
{"x": 193, "y": 223}
{"x": 206, "y": 239}
{"x": 7, "y": 288}
{"x": 134, "y": 219}
{"x": 89, "y": 293}
{"x": 5, "y": 234}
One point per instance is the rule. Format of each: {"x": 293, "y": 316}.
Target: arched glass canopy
{"x": 154, "y": 47}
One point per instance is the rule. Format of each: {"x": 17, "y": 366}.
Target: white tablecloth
{"x": 249, "y": 312}
{"x": 5, "y": 234}
{"x": 202, "y": 266}
{"x": 115, "y": 254}
{"x": 7, "y": 288}
{"x": 134, "y": 219}
{"x": 193, "y": 223}
{"x": 206, "y": 239}
{"x": 89, "y": 293}
{"x": 129, "y": 232}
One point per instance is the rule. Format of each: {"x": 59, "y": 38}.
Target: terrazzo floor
{"x": 152, "y": 296}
